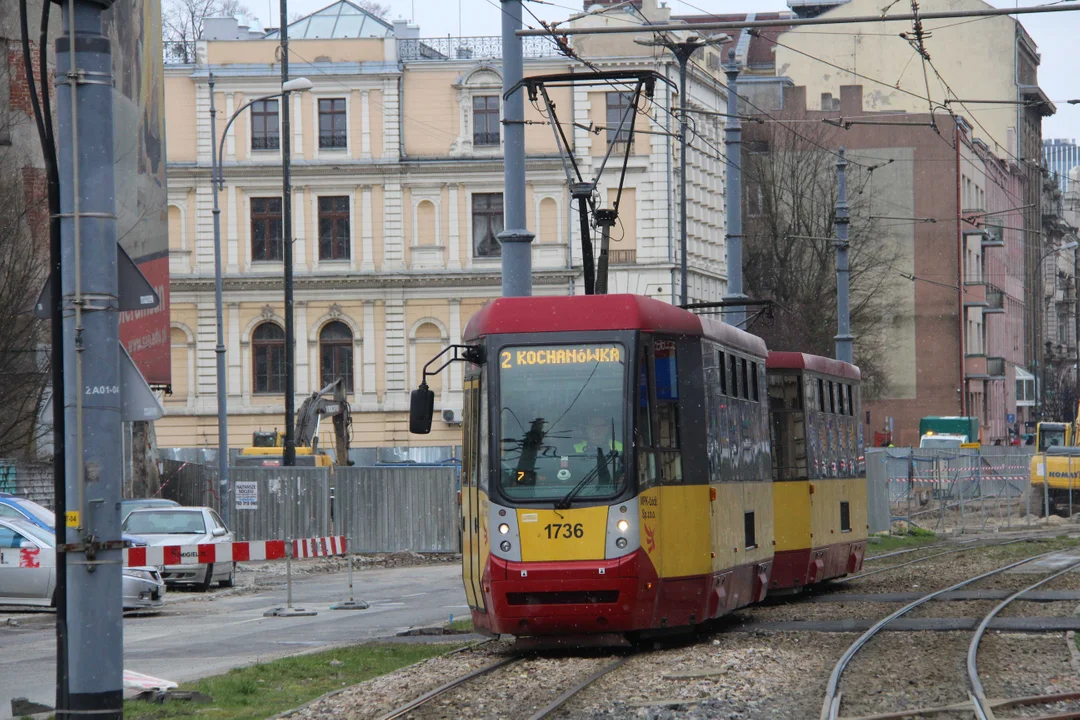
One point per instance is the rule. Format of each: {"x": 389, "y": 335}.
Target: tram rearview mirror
{"x": 421, "y": 409}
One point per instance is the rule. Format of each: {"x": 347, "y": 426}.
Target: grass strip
{"x": 266, "y": 689}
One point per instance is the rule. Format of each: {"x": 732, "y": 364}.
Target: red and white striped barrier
{"x": 233, "y": 551}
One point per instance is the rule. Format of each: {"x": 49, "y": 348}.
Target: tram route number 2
{"x": 564, "y": 530}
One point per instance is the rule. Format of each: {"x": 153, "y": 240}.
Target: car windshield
{"x": 561, "y": 421}
{"x": 165, "y": 522}
{"x": 44, "y": 515}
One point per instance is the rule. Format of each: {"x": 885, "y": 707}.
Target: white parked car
{"x": 184, "y": 526}
{"x": 28, "y": 570}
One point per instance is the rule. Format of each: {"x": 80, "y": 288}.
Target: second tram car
{"x": 617, "y": 474}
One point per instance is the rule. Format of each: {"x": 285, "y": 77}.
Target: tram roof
{"x": 814, "y": 363}
{"x": 592, "y": 313}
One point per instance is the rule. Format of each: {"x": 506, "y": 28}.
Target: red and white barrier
{"x": 233, "y": 551}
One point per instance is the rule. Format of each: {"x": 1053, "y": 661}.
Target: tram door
{"x": 471, "y": 541}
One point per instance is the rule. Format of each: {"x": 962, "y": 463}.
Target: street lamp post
{"x": 217, "y": 182}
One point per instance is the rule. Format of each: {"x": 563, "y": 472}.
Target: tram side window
{"x": 850, "y": 404}
{"x": 745, "y": 380}
{"x": 667, "y": 410}
{"x": 788, "y": 426}
{"x": 845, "y": 517}
{"x": 646, "y": 459}
{"x": 821, "y": 394}
{"x": 733, "y": 380}
{"x": 481, "y": 452}
{"x": 722, "y": 364}
{"x": 832, "y": 398}
{"x": 749, "y": 531}
{"x": 754, "y": 382}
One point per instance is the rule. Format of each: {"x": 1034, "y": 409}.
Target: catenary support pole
{"x": 733, "y": 150}
{"x": 605, "y": 220}
{"x": 91, "y": 552}
{"x": 683, "y": 56}
{"x": 219, "y": 350}
{"x": 516, "y": 240}
{"x": 289, "y": 451}
{"x": 843, "y": 271}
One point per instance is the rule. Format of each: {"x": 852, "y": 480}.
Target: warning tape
{"x": 233, "y": 551}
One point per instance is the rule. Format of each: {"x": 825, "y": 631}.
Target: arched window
{"x": 336, "y": 352}
{"x": 268, "y": 345}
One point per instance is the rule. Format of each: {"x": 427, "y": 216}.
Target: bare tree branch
{"x": 790, "y": 253}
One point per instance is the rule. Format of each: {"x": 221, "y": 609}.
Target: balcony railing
{"x": 622, "y": 257}
{"x": 178, "y": 52}
{"x": 445, "y": 49}
{"x": 995, "y": 299}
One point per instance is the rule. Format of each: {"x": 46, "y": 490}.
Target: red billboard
{"x": 134, "y": 27}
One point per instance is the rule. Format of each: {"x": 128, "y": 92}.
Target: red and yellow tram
{"x": 618, "y": 472}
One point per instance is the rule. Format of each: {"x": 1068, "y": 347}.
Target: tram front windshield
{"x": 561, "y": 418}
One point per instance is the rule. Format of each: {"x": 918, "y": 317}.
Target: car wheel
{"x": 229, "y": 581}
{"x": 208, "y": 580}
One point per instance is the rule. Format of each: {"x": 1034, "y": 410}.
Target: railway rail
{"x": 544, "y": 712}
{"x": 979, "y": 703}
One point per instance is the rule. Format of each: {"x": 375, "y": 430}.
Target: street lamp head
{"x": 296, "y": 85}
{"x": 1069, "y": 245}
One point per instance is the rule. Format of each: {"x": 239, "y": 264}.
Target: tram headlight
{"x": 504, "y": 529}
{"x": 620, "y": 543}
{"x": 623, "y": 526}
{"x": 505, "y": 545}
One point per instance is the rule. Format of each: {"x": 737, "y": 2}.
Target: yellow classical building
{"x": 397, "y": 180}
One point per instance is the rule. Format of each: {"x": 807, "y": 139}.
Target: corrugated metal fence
{"x": 953, "y": 490}
{"x": 387, "y": 509}
{"x": 269, "y": 503}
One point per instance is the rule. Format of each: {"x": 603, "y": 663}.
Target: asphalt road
{"x": 194, "y": 637}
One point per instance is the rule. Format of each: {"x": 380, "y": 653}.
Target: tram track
{"x": 978, "y": 702}
{"x": 423, "y": 706}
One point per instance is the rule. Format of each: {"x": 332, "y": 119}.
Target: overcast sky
{"x": 1055, "y": 33}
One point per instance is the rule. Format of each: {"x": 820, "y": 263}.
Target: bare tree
{"x": 790, "y": 253}
{"x": 24, "y": 248}
{"x": 182, "y": 22}
{"x": 377, "y": 9}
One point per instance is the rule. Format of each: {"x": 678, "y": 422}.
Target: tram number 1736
{"x": 564, "y": 530}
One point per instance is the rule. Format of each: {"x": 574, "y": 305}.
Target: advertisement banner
{"x": 134, "y": 28}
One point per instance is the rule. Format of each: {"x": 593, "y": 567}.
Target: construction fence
{"x": 380, "y": 509}
{"x": 951, "y": 490}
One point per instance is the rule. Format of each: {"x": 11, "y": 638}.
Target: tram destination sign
{"x": 560, "y": 355}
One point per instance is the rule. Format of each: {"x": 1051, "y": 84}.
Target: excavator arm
{"x": 332, "y": 400}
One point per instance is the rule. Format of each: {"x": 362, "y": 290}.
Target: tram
{"x": 618, "y": 474}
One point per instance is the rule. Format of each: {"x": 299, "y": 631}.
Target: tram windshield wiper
{"x": 601, "y": 469}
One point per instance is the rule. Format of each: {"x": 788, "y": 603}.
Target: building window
{"x": 334, "y": 228}
{"x": 336, "y": 353}
{"x": 486, "y": 120}
{"x": 332, "y": 134}
{"x": 845, "y": 517}
{"x": 487, "y": 219}
{"x": 617, "y": 105}
{"x": 268, "y": 345}
{"x": 264, "y": 125}
{"x": 266, "y": 242}
{"x": 749, "y": 531}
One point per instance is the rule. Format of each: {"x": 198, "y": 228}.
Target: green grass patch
{"x": 461, "y": 625}
{"x": 266, "y": 689}
{"x": 1020, "y": 550}
{"x": 881, "y": 544}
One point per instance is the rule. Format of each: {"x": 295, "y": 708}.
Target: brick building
{"x": 955, "y": 335}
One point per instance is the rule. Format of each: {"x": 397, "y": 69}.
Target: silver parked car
{"x": 184, "y": 526}
{"x": 28, "y": 570}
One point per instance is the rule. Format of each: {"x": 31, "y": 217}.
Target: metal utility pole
{"x": 605, "y": 220}
{"x": 91, "y": 550}
{"x": 219, "y": 350}
{"x": 733, "y": 151}
{"x": 843, "y": 271}
{"x": 683, "y": 51}
{"x": 516, "y": 240}
{"x": 289, "y": 451}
